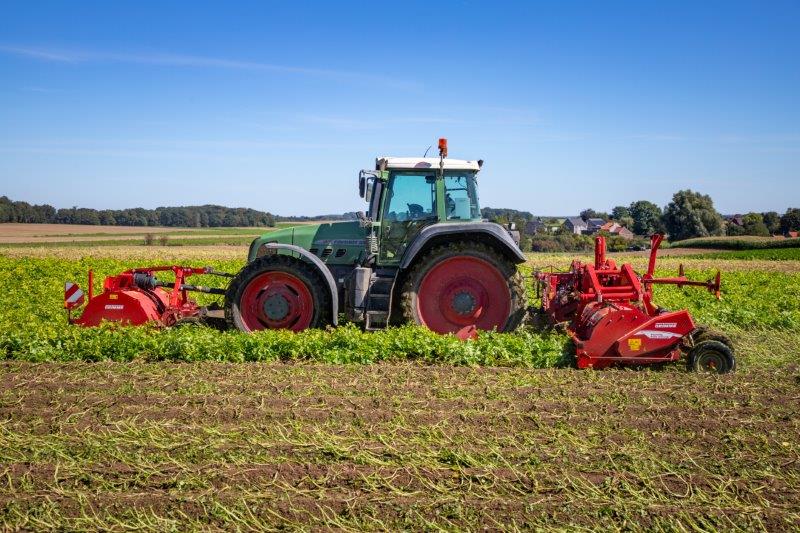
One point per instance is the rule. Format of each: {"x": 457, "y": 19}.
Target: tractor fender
{"x": 317, "y": 262}
{"x": 488, "y": 232}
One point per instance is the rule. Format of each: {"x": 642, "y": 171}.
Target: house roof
{"x": 609, "y": 226}
{"x": 576, "y": 221}
{"x": 595, "y": 222}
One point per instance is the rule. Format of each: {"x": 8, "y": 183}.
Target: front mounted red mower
{"x": 136, "y": 296}
{"x": 609, "y": 312}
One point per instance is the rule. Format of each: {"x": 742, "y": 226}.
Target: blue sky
{"x": 276, "y": 106}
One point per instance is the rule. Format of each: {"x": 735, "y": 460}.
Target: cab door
{"x": 410, "y": 205}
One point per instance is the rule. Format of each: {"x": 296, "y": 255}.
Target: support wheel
{"x": 464, "y": 287}
{"x": 277, "y": 292}
{"x": 713, "y": 357}
{"x": 705, "y": 333}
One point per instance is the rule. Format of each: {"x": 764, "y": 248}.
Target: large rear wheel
{"x": 277, "y": 292}
{"x": 464, "y": 287}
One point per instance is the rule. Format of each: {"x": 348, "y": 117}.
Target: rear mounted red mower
{"x": 136, "y": 296}
{"x": 610, "y": 315}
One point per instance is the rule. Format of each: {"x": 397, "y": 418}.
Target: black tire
{"x": 712, "y": 356}
{"x": 306, "y": 273}
{"x": 514, "y": 280}
{"x": 705, "y": 333}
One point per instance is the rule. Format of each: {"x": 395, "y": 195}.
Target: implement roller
{"x": 608, "y": 311}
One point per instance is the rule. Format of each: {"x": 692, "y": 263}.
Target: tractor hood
{"x": 334, "y": 242}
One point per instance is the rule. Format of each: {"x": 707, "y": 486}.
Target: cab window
{"x": 410, "y": 205}
{"x": 461, "y": 197}
{"x": 412, "y": 197}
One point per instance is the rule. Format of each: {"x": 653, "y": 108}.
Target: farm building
{"x": 617, "y": 229}
{"x": 575, "y": 225}
{"x": 538, "y": 225}
{"x": 594, "y": 225}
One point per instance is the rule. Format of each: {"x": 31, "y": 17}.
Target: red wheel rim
{"x": 276, "y": 300}
{"x": 462, "y": 294}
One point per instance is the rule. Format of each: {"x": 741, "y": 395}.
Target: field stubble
{"x": 160, "y": 446}
{"x": 166, "y": 446}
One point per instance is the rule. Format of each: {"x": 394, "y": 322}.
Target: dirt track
{"x": 249, "y": 445}
{"x": 56, "y": 233}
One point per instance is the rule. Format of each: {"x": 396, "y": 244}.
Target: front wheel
{"x": 463, "y": 287}
{"x": 277, "y": 292}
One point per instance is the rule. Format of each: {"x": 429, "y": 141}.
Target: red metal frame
{"x": 610, "y": 311}
{"x": 127, "y": 301}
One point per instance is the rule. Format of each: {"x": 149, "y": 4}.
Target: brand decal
{"x": 652, "y": 334}
{"x": 340, "y": 242}
{"x": 114, "y": 307}
{"x": 667, "y": 325}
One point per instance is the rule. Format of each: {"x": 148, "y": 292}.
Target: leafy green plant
{"x": 33, "y": 324}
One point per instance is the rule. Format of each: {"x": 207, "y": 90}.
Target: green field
{"x": 766, "y": 254}
{"x": 745, "y": 242}
{"x": 193, "y": 428}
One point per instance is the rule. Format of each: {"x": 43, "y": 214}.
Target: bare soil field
{"x": 12, "y": 233}
{"x": 157, "y": 254}
{"x": 254, "y": 446}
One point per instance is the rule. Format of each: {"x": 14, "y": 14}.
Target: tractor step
{"x": 380, "y": 294}
{"x": 376, "y": 320}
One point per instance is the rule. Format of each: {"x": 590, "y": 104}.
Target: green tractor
{"x": 421, "y": 254}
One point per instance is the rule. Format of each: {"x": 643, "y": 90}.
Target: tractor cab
{"x": 407, "y": 194}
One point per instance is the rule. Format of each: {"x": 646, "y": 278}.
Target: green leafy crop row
{"x": 33, "y": 324}
{"x": 33, "y": 327}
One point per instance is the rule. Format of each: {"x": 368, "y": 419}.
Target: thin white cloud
{"x": 39, "y": 54}
{"x": 192, "y": 61}
{"x": 221, "y": 149}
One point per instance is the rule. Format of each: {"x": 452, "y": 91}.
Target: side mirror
{"x": 362, "y": 185}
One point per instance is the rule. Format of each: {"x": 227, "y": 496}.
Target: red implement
{"x": 136, "y": 297}
{"x": 610, "y": 314}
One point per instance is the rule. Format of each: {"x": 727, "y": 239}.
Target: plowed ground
{"x": 266, "y": 446}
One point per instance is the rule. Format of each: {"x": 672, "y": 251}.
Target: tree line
{"x": 200, "y": 216}
{"x": 690, "y": 214}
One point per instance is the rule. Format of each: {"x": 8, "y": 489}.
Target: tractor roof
{"x": 427, "y": 162}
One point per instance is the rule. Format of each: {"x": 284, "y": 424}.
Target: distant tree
{"x": 646, "y": 218}
{"x": 622, "y": 215}
{"x": 586, "y": 214}
{"x": 734, "y": 230}
{"x": 107, "y": 218}
{"x": 753, "y": 224}
{"x": 619, "y": 212}
{"x": 691, "y": 214}
{"x": 790, "y": 221}
{"x": 772, "y": 221}
{"x": 184, "y": 216}
{"x": 500, "y": 213}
